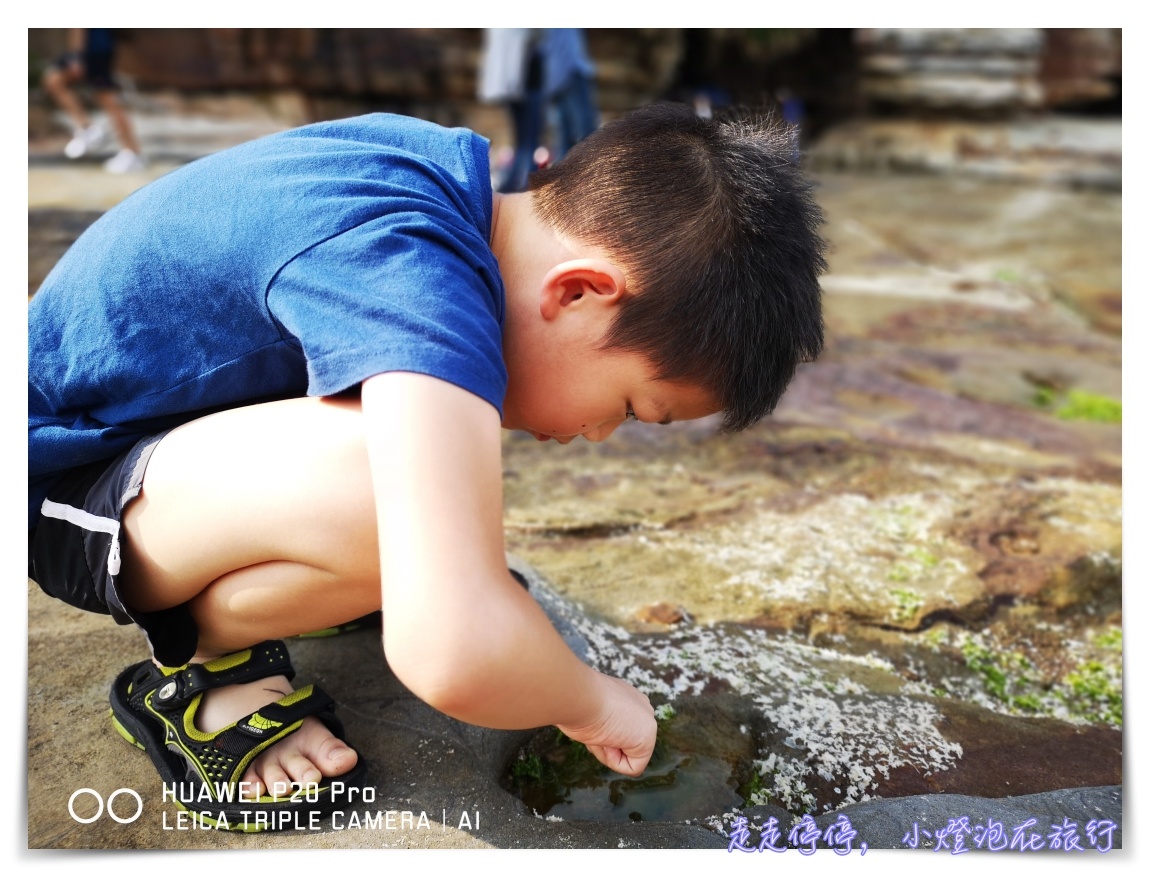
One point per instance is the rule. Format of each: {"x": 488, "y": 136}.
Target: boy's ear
{"x": 580, "y": 281}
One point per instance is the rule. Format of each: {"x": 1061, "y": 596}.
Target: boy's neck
{"x": 525, "y": 247}
{"x": 511, "y": 215}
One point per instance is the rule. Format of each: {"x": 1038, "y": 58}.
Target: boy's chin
{"x": 544, "y": 437}
{"x": 508, "y": 424}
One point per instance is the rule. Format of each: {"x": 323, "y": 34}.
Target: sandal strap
{"x": 273, "y": 720}
{"x": 207, "y": 766}
{"x": 267, "y": 659}
{"x": 223, "y": 756}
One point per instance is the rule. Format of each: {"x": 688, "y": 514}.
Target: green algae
{"x": 1094, "y": 692}
{"x": 664, "y": 712}
{"x": 1079, "y": 405}
{"x": 528, "y": 768}
{"x": 1095, "y": 688}
{"x": 753, "y": 790}
{"x": 1111, "y": 639}
{"x": 1008, "y": 275}
{"x": 552, "y": 764}
{"x": 907, "y": 604}
{"x": 1004, "y": 674}
{"x": 1082, "y": 406}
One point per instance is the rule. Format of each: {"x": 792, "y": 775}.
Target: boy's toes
{"x": 272, "y": 774}
{"x": 267, "y": 777}
{"x": 308, "y": 756}
{"x": 313, "y": 753}
{"x": 334, "y": 757}
{"x": 301, "y": 769}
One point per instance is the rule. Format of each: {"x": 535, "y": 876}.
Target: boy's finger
{"x": 619, "y": 761}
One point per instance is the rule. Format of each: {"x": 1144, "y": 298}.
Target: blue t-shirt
{"x": 297, "y": 264}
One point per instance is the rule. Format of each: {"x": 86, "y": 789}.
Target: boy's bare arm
{"x": 458, "y": 630}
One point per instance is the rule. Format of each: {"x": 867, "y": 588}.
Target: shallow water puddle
{"x": 559, "y": 779}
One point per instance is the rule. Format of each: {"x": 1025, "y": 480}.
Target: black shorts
{"x": 74, "y": 550}
{"x": 97, "y": 69}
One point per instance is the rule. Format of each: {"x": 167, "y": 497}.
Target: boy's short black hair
{"x": 715, "y": 227}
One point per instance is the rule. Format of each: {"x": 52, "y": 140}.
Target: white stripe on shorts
{"x": 87, "y": 521}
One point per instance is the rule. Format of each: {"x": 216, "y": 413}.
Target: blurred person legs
{"x": 576, "y": 113}
{"x": 88, "y": 62}
{"x": 511, "y": 73}
{"x": 86, "y": 135}
{"x": 527, "y": 117}
{"x": 569, "y": 81}
{"x": 129, "y": 158}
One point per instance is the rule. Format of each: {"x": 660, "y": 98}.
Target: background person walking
{"x": 88, "y": 61}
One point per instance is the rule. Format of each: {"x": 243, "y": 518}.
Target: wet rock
{"x": 805, "y": 728}
{"x": 963, "y": 70}
{"x": 914, "y": 821}
{"x": 927, "y": 549}
{"x": 1081, "y": 153}
{"x": 953, "y": 539}
{"x": 697, "y": 769}
{"x": 1011, "y": 756}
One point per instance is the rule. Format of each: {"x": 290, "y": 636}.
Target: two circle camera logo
{"x": 84, "y": 792}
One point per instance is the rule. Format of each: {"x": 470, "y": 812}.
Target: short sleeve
{"x": 413, "y": 291}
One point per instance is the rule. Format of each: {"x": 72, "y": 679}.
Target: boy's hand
{"x": 622, "y": 737}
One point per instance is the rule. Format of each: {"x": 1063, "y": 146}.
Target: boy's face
{"x": 562, "y": 382}
{"x": 579, "y": 390}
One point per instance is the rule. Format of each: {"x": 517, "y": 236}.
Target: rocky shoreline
{"x": 897, "y": 601}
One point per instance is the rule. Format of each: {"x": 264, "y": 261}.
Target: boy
{"x": 265, "y": 396}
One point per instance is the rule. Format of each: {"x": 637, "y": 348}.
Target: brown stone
{"x": 1012, "y": 756}
{"x": 664, "y": 614}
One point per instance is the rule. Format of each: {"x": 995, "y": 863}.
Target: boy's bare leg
{"x": 263, "y": 520}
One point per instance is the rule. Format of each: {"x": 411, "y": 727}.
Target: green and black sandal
{"x": 155, "y": 709}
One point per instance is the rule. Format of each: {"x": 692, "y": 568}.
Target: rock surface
{"x": 898, "y": 600}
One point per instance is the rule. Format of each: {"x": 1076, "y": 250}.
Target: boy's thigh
{"x": 284, "y": 481}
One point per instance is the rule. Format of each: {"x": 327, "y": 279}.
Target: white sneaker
{"x": 86, "y": 140}
{"x": 124, "y": 162}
